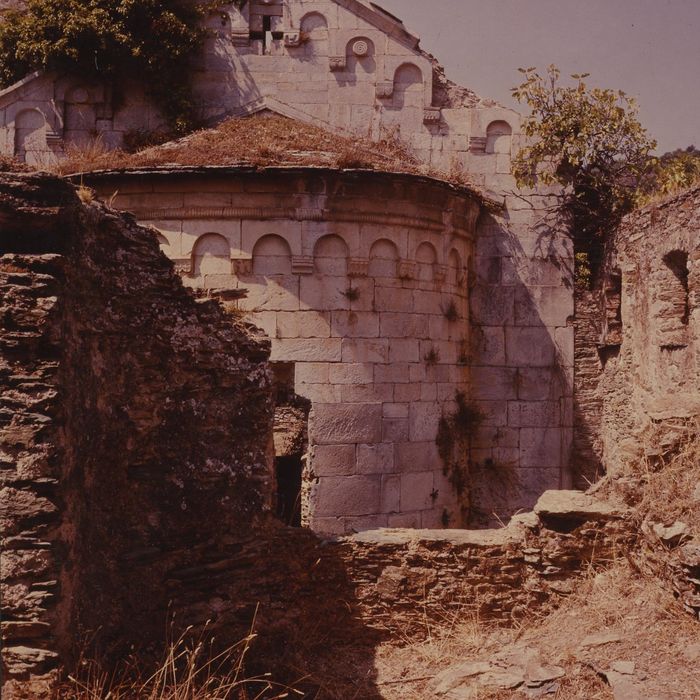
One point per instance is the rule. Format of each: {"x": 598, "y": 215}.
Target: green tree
{"x": 590, "y": 141}
{"x": 150, "y": 41}
{"x": 674, "y": 171}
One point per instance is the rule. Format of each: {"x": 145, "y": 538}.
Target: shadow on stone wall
{"x": 521, "y": 361}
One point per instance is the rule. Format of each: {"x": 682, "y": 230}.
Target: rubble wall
{"x": 136, "y": 426}
{"x": 405, "y": 580}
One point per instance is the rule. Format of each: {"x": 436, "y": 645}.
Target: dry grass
{"x": 190, "y": 670}
{"x": 665, "y": 488}
{"x": 260, "y": 141}
{"x": 11, "y": 165}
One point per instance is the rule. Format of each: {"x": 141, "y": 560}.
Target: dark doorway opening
{"x": 291, "y": 442}
{"x": 288, "y": 474}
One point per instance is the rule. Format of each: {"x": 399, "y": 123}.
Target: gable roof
{"x": 380, "y": 18}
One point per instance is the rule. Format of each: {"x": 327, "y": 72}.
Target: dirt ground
{"x": 616, "y": 620}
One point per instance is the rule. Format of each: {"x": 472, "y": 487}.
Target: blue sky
{"x": 649, "y": 48}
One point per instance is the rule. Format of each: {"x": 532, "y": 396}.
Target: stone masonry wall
{"x": 637, "y": 351}
{"x": 135, "y": 435}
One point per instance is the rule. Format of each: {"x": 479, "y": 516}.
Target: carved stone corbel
{"x": 385, "y": 88}
{"x": 183, "y": 266}
{"x": 292, "y": 39}
{"x": 338, "y": 63}
{"x": 358, "y": 267}
{"x": 407, "y": 269}
{"x": 431, "y": 115}
{"x": 242, "y": 267}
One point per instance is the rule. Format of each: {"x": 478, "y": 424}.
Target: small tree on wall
{"x": 590, "y": 141}
{"x": 150, "y": 41}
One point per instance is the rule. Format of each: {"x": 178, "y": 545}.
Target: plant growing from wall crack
{"x": 590, "y": 141}
{"x": 456, "y": 431}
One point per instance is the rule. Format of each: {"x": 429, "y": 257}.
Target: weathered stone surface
{"x": 637, "y": 337}
{"x": 134, "y": 414}
{"x": 359, "y": 336}
{"x": 514, "y": 668}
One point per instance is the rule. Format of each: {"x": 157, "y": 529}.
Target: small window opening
{"x": 283, "y": 379}
{"x": 677, "y": 262}
{"x": 267, "y": 32}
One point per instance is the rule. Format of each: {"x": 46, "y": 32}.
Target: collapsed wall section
{"x": 136, "y": 430}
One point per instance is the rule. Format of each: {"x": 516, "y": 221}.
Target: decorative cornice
{"x": 309, "y": 214}
{"x": 298, "y": 214}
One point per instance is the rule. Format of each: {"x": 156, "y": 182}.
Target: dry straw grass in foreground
{"x": 190, "y": 670}
{"x": 646, "y": 624}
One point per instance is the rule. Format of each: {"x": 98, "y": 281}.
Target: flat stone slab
{"x": 575, "y": 505}
{"x": 404, "y": 536}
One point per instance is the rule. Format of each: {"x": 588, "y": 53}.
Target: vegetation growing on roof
{"x": 150, "y": 41}
{"x": 263, "y": 141}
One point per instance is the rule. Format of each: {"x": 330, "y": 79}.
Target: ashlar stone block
{"x": 351, "y": 373}
{"x": 365, "y": 350}
{"x": 416, "y": 456}
{"x": 391, "y": 493}
{"x": 333, "y": 460}
{"x": 306, "y": 350}
{"x": 375, "y": 459}
{"x": 355, "y": 324}
{"x": 350, "y": 495}
{"x": 529, "y": 347}
{"x": 331, "y": 424}
{"x": 416, "y": 490}
{"x": 423, "y": 421}
{"x": 540, "y": 447}
{"x": 534, "y": 414}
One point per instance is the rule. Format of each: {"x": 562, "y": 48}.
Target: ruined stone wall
{"x": 354, "y": 276}
{"x": 406, "y": 580}
{"x": 136, "y": 428}
{"x": 637, "y": 345}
